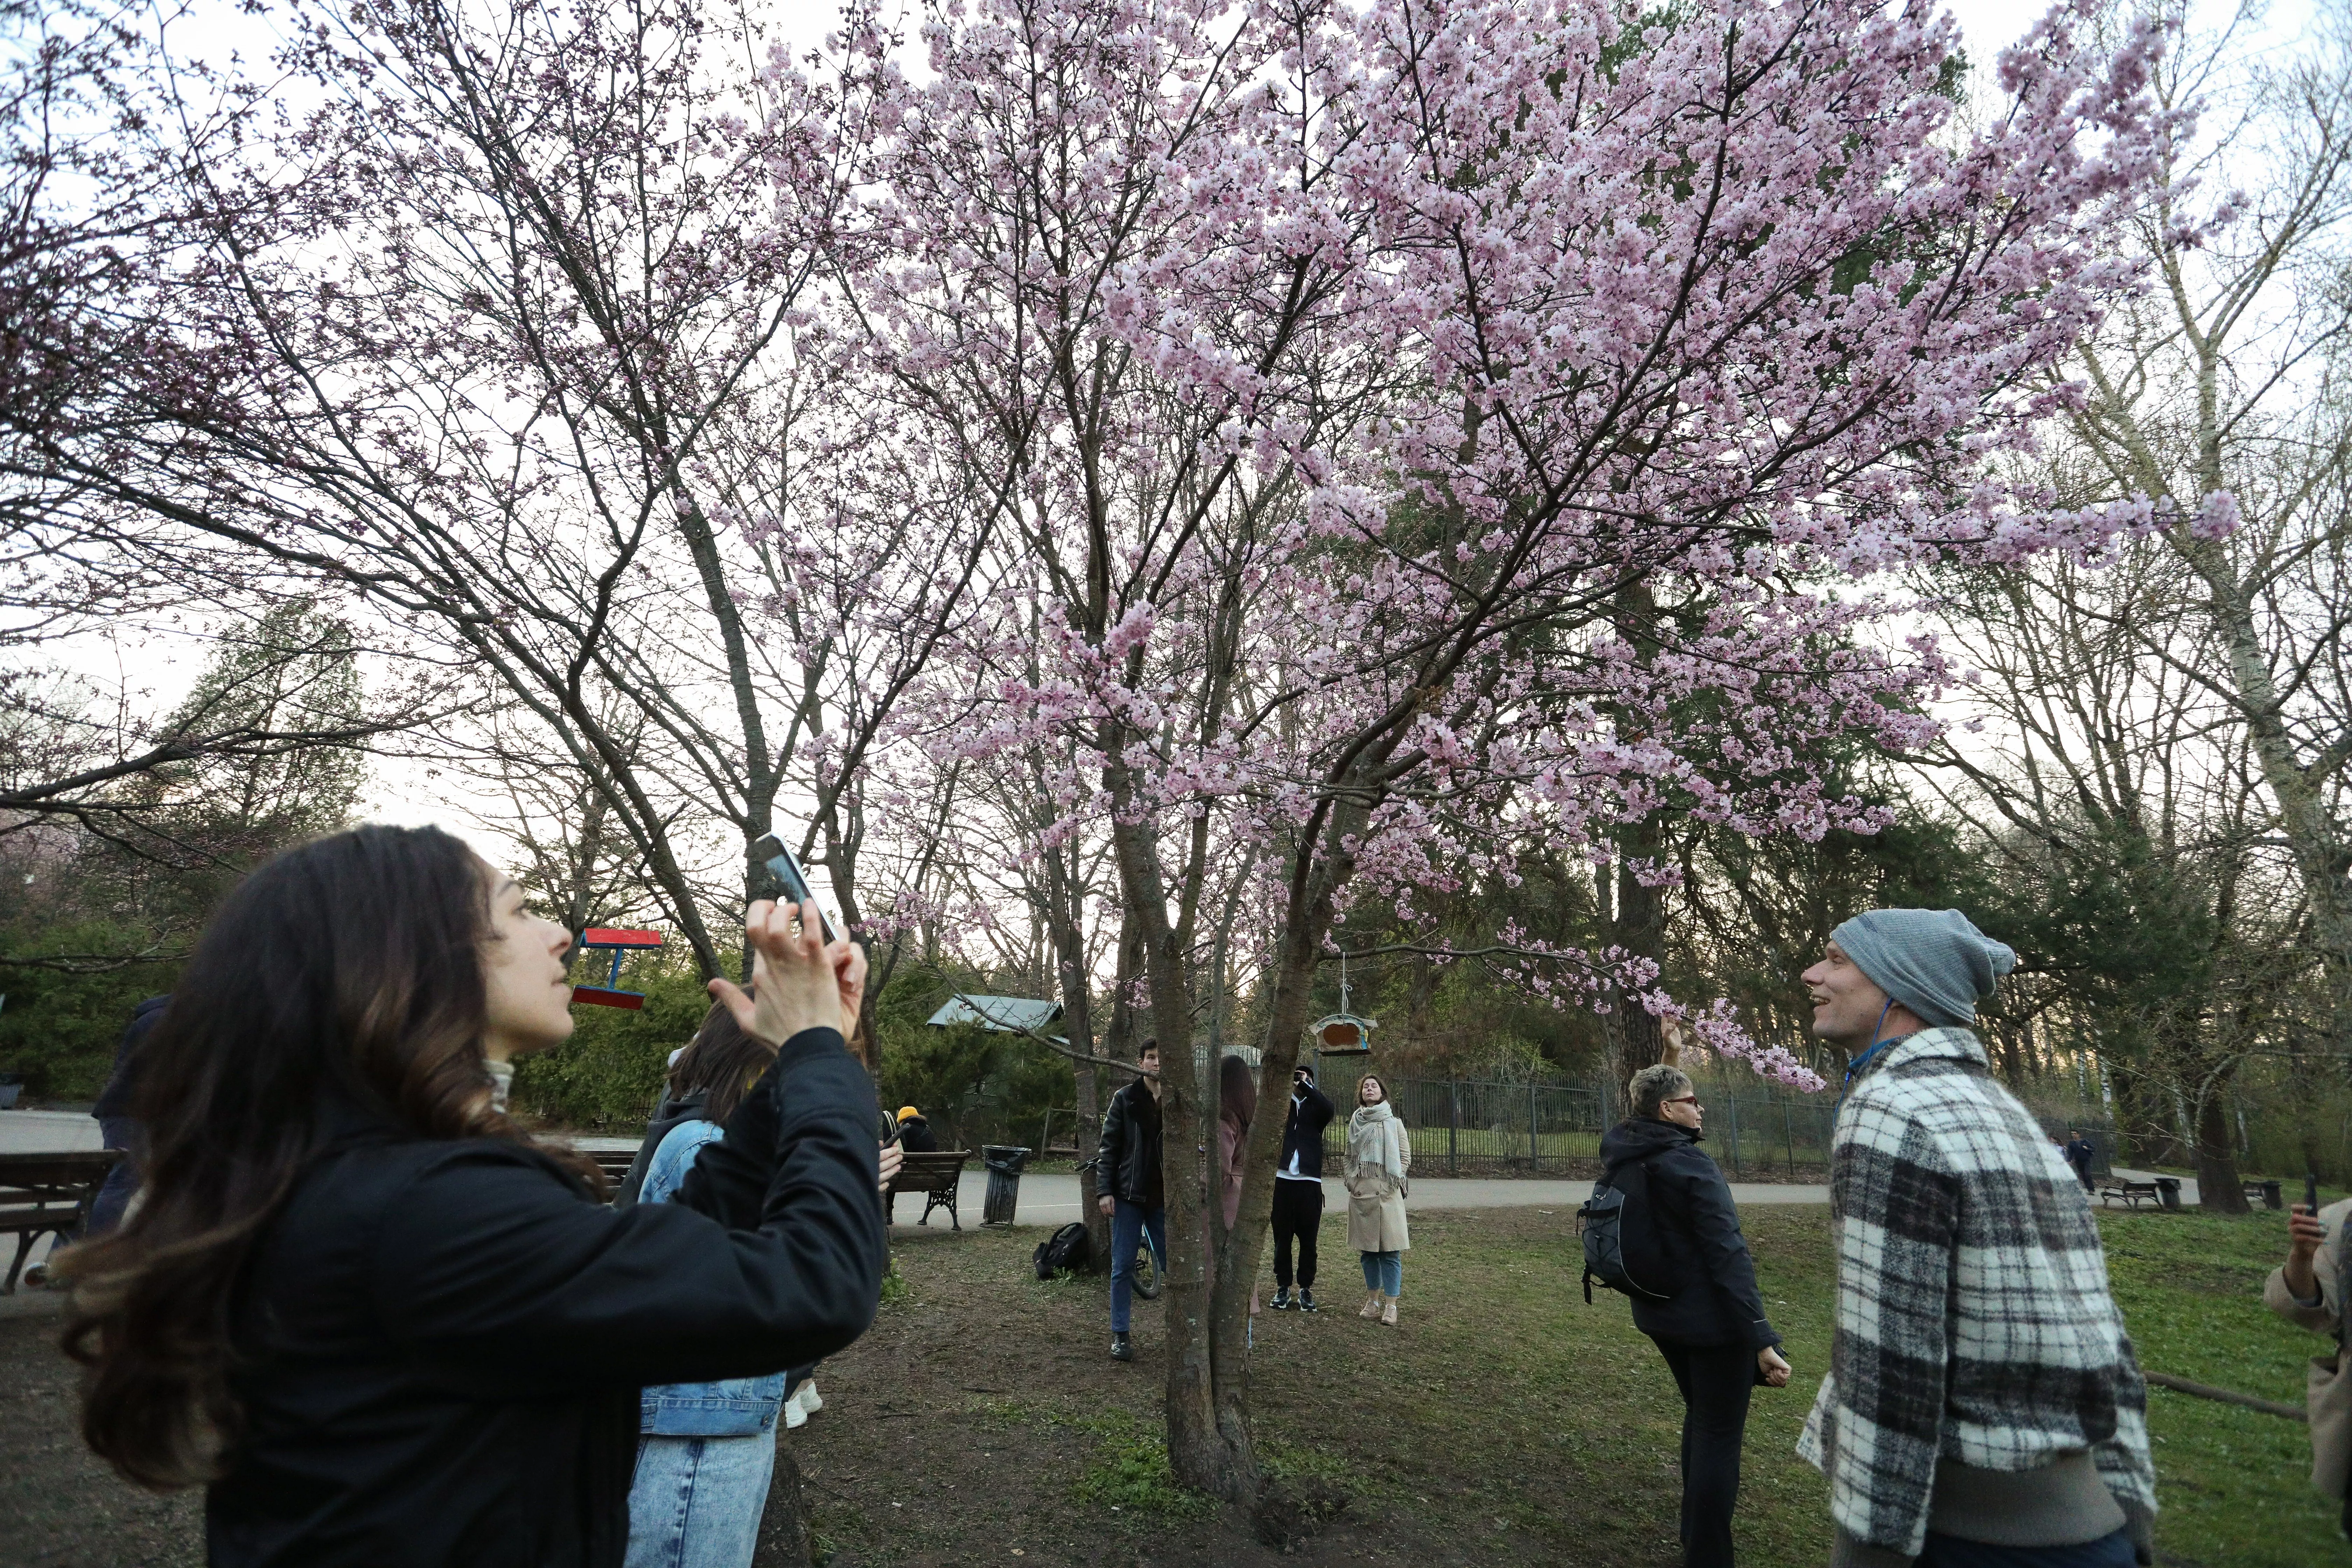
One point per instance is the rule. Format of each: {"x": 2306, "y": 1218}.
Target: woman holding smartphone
{"x": 373, "y": 1316}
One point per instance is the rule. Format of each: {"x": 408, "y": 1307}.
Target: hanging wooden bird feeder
{"x": 1342, "y": 1034}
{"x": 622, "y": 943}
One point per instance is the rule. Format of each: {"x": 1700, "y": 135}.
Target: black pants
{"x": 1297, "y": 1212}
{"x": 1716, "y": 1381}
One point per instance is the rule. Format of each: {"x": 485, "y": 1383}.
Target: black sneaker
{"x": 1120, "y": 1349}
{"x": 1281, "y": 1302}
{"x": 1306, "y": 1300}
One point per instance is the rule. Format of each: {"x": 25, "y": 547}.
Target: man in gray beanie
{"x": 1983, "y": 1406}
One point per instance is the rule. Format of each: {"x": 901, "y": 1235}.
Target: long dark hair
{"x": 343, "y": 978}
{"x": 1236, "y": 1092}
{"x": 723, "y": 1062}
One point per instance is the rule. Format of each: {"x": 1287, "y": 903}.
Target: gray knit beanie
{"x": 1931, "y": 961}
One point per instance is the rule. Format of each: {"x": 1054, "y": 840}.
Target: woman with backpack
{"x": 1695, "y": 1294}
{"x": 1380, "y": 1158}
{"x": 376, "y": 1319}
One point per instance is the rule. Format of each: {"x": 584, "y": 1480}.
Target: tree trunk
{"x": 2314, "y": 837}
{"x": 2218, "y": 1189}
{"x": 1640, "y": 930}
{"x": 1209, "y": 1443}
{"x": 1066, "y": 928}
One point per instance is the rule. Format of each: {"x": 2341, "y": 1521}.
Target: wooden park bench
{"x": 47, "y": 1195}
{"x": 933, "y": 1175}
{"x": 614, "y": 1163}
{"x": 2130, "y": 1191}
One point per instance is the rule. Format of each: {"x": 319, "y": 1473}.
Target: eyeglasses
{"x": 1682, "y": 1100}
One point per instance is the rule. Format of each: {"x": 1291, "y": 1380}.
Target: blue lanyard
{"x": 1853, "y": 1068}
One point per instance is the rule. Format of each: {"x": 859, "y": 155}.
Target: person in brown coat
{"x": 2308, "y": 1289}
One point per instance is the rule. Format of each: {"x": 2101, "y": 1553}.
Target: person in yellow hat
{"x": 914, "y": 1135}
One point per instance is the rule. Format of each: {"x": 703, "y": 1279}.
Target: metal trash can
{"x": 2271, "y": 1197}
{"x": 2168, "y": 1192}
{"x": 1005, "y": 1165}
{"x": 12, "y": 1084}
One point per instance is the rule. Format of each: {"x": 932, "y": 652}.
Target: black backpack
{"x": 1615, "y": 1219}
{"x": 1069, "y": 1247}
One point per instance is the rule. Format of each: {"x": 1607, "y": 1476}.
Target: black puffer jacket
{"x": 1693, "y": 1229}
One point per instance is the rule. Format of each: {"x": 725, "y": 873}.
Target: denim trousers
{"x": 1129, "y": 1224}
{"x": 696, "y": 1502}
{"x": 1383, "y": 1272}
{"x": 114, "y": 1195}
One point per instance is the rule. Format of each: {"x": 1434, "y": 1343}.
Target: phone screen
{"x": 781, "y": 878}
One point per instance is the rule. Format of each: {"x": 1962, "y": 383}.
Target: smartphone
{"x": 776, "y": 874}
{"x": 2311, "y": 1191}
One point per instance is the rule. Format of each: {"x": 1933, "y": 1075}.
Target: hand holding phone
{"x": 777, "y": 875}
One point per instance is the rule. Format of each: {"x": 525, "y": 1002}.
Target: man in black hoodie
{"x": 1298, "y": 1189}
{"x": 1701, "y": 1305}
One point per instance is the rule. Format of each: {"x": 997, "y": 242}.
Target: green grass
{"x": 2234, "y": 1484}
{"x": 1509, "y": 1419}
{"x": 1511, "y": 1374}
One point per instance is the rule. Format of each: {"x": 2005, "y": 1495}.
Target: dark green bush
{"x": 608, "y": 1075}
{"x": 60, "y": 1029}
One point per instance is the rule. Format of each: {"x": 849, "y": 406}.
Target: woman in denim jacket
{"x": 705, "y": 1450}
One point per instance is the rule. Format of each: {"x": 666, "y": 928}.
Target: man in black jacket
{"x": 1127, "y": 1166}
{"x": 1298, "y": 1189}
{"x": 1698, "y": 1301}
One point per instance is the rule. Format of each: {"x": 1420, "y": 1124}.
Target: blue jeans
{"x": 114, "y": 1195}
{"x": 1950, "y": 1552}
{"x": 1129, "y": 1224}
{"x": 696, "y": 1502}
{"x": 1383, "y": 1272}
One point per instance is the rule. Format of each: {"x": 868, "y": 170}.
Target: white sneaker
{"x": 794, "y": 1414}
{"x": 806, "y": 1396}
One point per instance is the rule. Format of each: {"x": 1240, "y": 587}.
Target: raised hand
{"x": 796, "y": 984}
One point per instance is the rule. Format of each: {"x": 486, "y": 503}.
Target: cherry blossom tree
{"x": 1431, "y": 433}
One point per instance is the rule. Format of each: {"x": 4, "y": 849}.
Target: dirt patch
{"x": 61, "y": 1507}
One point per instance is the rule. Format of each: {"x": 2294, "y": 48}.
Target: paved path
{"x": 47, "y": 1132}
{"x": 1046, "y": 1199}
{"x": 1054, "y": 1199}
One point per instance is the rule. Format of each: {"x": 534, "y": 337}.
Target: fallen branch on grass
{"x": 2226, "y": 1396}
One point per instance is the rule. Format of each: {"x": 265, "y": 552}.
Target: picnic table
{"x": 47, "y": 1195}
{"x": 935, "y": 1176}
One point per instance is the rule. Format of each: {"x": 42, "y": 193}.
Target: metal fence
{"x": 1464, "y": 1127}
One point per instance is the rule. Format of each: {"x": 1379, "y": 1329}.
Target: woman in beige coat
{"x": 1379, "y": 1157}
{"x": 2307, "y": 1290}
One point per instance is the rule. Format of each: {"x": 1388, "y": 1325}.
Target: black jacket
{"x": 1302, "y": 1133}
{"x": 673, "y": 1113}
{"x": 441, "y": 1343}
{"x": 915, "y": 1137}
{"x": 1693, "y": 1229}
{"x": 1128, "y": 1159}
{"x": 121, "y": 1093}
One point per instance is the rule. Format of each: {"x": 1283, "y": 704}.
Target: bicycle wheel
{"x": 1146, "y": 1273}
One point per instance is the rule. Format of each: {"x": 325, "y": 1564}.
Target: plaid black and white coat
{"x": 1973, "y": 1316}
